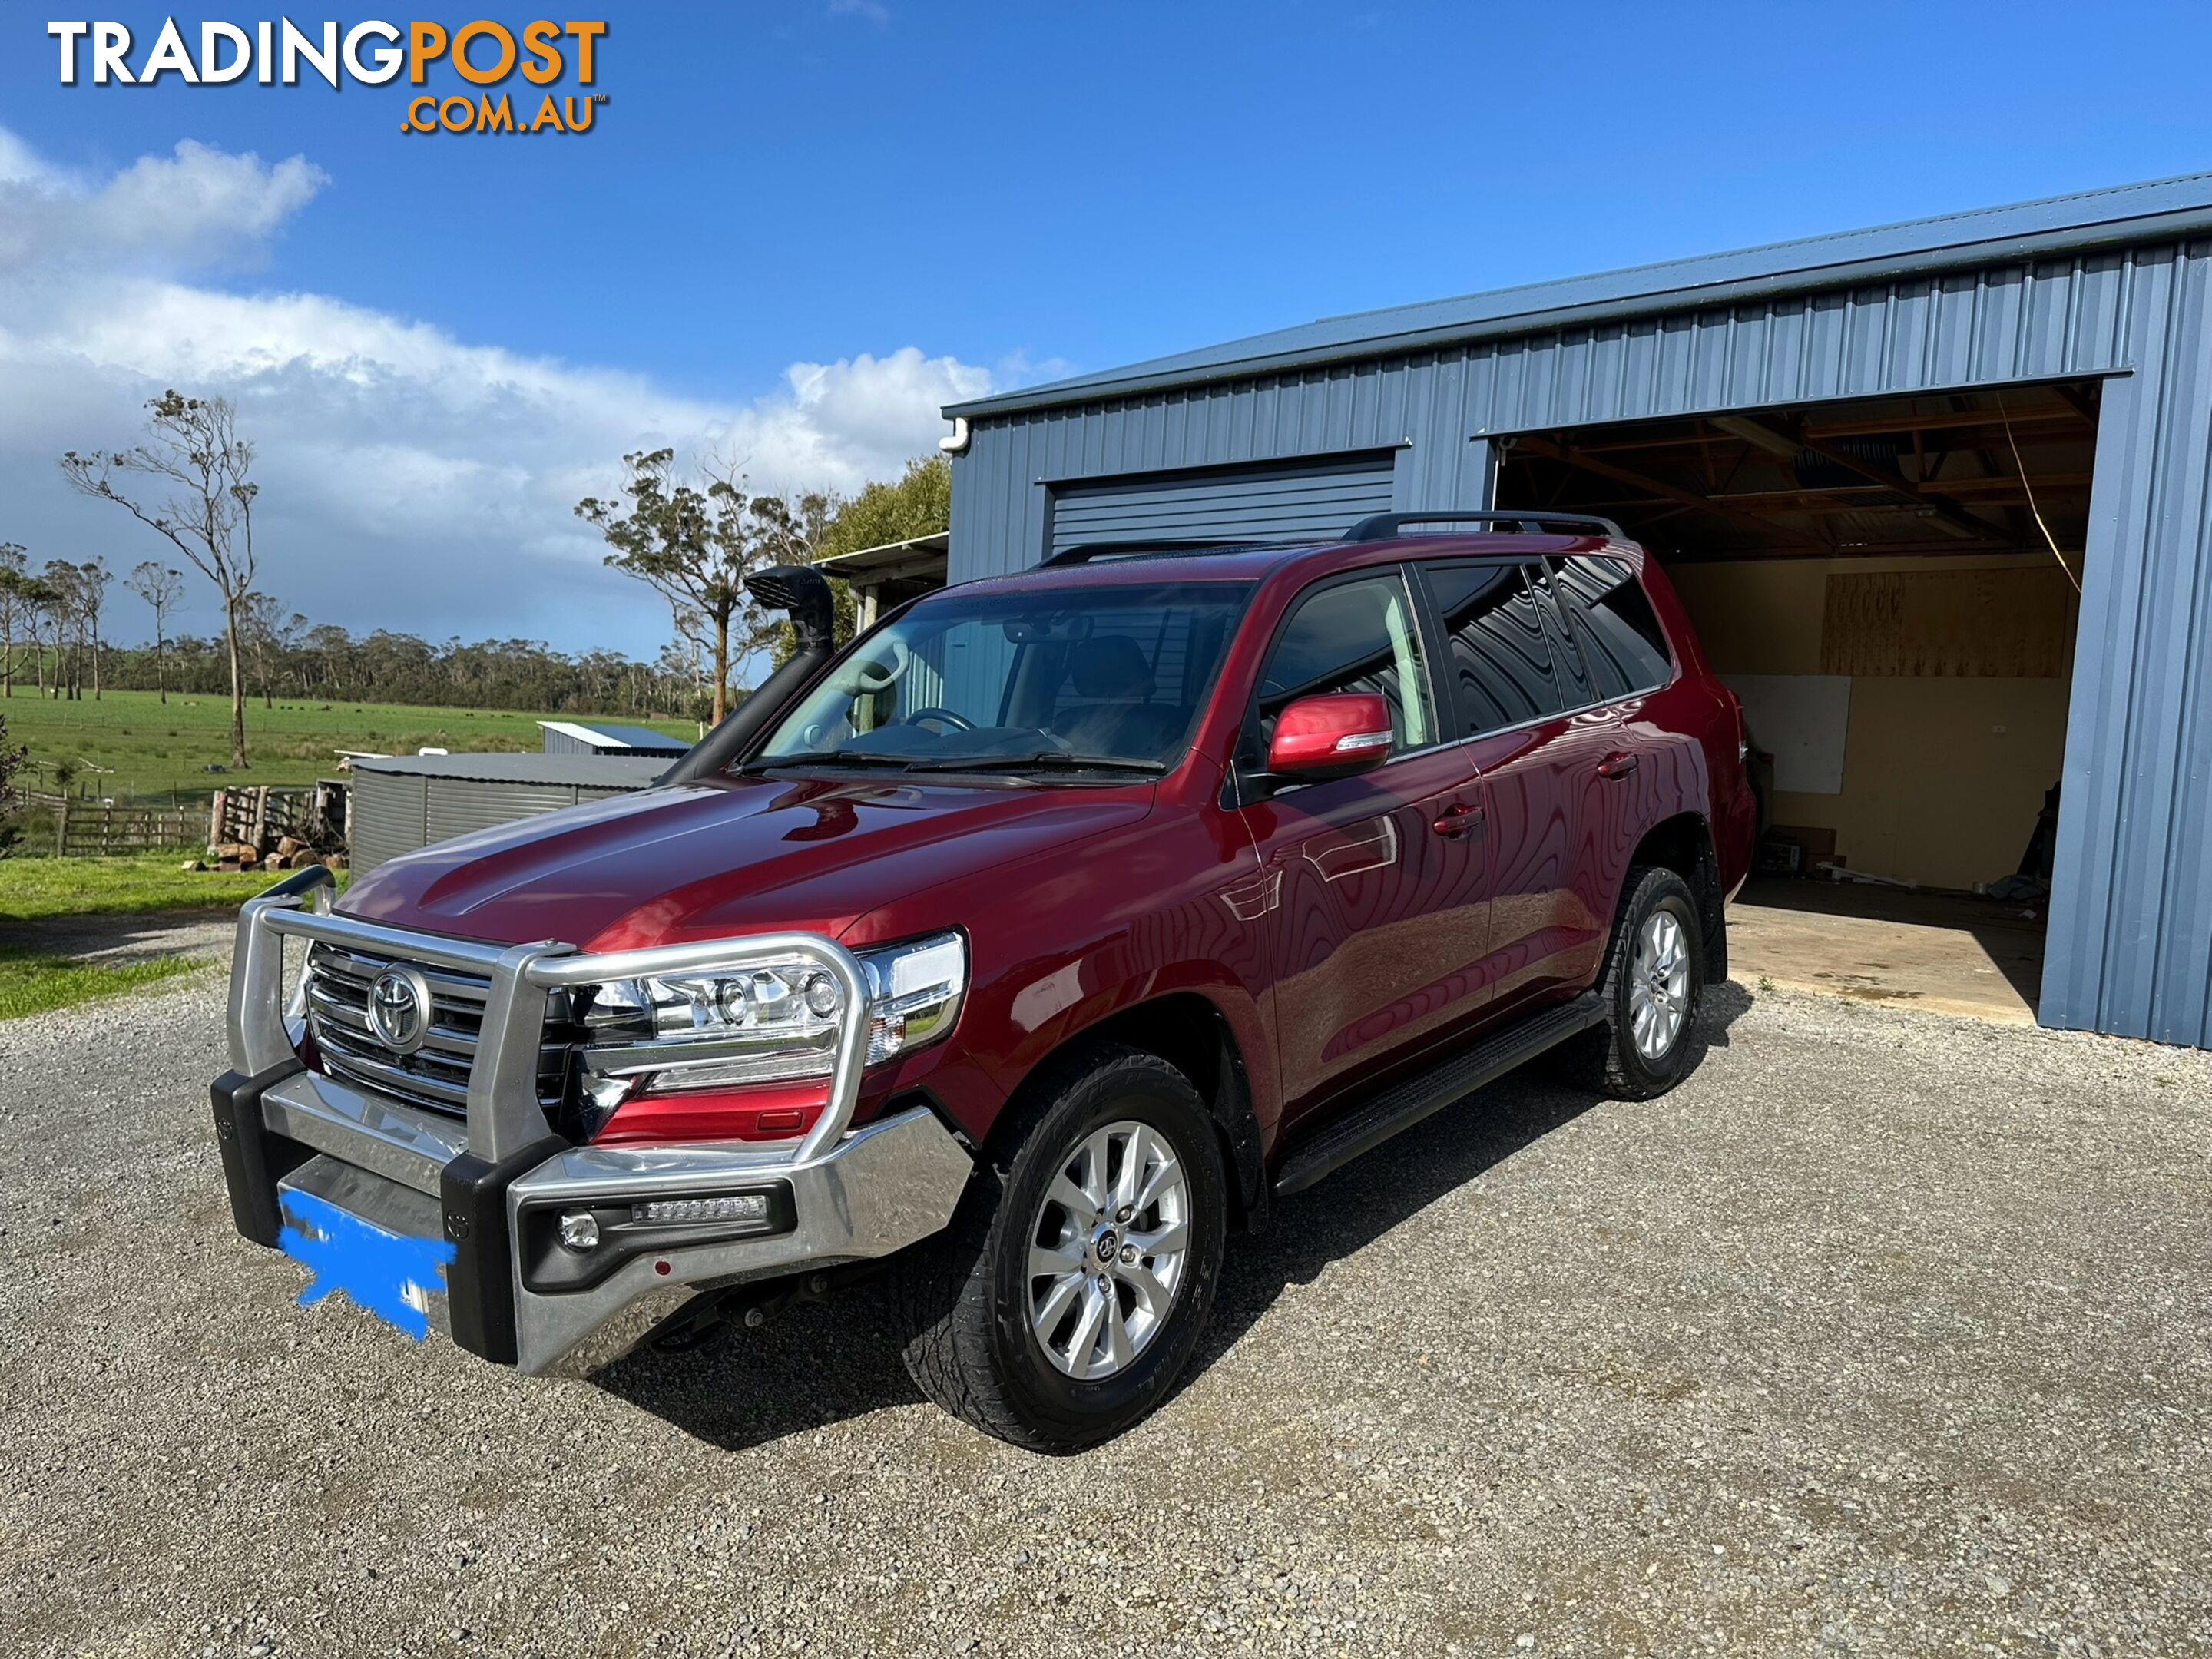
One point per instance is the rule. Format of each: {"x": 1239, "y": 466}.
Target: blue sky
{"x": 918, "y": 200}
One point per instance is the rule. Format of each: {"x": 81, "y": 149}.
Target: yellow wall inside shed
{"x": 1943, "y": 775}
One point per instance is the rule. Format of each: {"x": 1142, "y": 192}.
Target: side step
{"x": 1405, "y": 1104}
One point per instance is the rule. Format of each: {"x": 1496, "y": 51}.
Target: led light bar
{"x": 727, "y": 1206}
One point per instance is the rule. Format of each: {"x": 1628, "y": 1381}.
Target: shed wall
{"x": 397, "y": 812}
{"x": 2130, "y": 945}
{"x": 458, "y": 805}
{"x": 383, "y": 818}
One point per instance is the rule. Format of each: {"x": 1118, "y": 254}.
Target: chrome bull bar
{"x": 504, "y": 1116}
{"x": 855, "y": 1194}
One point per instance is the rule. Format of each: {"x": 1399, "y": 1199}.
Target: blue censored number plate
{"x": 390, "y": 1274}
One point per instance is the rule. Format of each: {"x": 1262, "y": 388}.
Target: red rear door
{"x": 1508, "y": 703}
{"x": 1611, "y": 772}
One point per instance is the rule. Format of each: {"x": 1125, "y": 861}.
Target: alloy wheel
{"x": 1108, "y": 1247}
{"x": 1659, "y": 985}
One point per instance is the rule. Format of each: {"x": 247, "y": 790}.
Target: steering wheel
{"x": 952, "y": 721}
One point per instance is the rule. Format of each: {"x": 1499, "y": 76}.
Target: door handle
{"x": 1616, "y": 766}
{"x": 1456, "y": 821}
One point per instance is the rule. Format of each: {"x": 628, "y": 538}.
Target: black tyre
{"x": 1068, "y": 1294}
{"x": 1653, "y": 984}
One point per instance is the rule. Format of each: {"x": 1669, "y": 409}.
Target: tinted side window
{"x": 1577, "y": 688}
{"x": 1622, "y": 645}
{"x": 1355, "y": 636}
{"x": 1501, "y": 665}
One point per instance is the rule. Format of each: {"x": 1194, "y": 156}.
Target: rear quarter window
{"x": 1611, "y": 626}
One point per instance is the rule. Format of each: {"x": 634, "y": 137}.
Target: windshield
{"x": 1112, "y": 677}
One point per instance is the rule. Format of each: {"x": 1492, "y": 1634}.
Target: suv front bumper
{"x": 493, "y": 1186}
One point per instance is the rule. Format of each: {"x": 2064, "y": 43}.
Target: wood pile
{"x": 264, "y": 829}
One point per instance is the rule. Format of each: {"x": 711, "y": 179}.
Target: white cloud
{"x": 409, "y": 479}
{"x": 197, "y": 206}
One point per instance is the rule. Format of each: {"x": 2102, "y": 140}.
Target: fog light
{"x": 730, "y": 1206}
{"x": 579, "y": 1231}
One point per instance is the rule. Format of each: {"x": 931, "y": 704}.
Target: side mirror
{"x": 1334, "y": 736}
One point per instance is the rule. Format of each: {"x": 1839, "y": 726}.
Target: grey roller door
{"x": 1276, "y": 502}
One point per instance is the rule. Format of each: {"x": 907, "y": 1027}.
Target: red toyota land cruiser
{"x": 1056, "y": 925}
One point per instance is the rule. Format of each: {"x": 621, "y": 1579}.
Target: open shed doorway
{"x": 1893, "y": 587}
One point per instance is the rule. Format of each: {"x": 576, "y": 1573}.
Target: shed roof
{"x": 2162, "y": 210}
{"x": 587, "y": 771}
{"x": 918, "y": 556}
{"x": 605, "y": 736}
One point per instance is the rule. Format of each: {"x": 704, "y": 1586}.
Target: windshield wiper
{"x": 825, "y": 757}
{"x": 1058, "y": 760}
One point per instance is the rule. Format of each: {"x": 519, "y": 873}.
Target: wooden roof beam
{"x": 1553, "y": 450}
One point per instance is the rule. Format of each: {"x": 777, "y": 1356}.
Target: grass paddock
{"x": 155, "y": 752}
{"x": 48, "y": 889}
{"x": 37, "y": 982}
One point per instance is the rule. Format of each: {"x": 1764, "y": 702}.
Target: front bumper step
{"x": 884, "y": 1186}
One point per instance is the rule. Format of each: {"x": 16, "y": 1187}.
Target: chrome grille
{"x": 435, "y": 1075}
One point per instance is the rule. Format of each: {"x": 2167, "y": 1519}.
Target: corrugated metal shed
{"x": 384, "y": 816}
{"x": 615, "y": 772}
{"x": 402, "y": 802}
{"x": 2167, "y": 210}
{"x": 2116, "y": 284}
{"x": 598, "y": 737}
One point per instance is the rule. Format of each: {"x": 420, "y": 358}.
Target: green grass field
{"x": 46, "y": 888}
{"x": 153, "y": 751}
{"x": 33, "y": 983}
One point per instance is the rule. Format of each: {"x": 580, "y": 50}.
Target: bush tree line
{"x": 323, "y": 663}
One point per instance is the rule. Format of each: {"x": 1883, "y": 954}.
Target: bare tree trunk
{"x": 237, "y": 684}
{"x": 160, "y": 661}
{"x": 722, "y": 665}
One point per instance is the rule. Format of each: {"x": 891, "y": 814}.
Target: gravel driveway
{"x": 1886, "y": 1333}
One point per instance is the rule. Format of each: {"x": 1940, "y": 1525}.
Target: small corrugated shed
{"x": 402, "y": 802}
{"x": 598, "y": 738}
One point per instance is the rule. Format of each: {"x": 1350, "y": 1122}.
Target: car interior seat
{"x": 1112, "y": 711}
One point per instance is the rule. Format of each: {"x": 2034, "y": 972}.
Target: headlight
{"x": 768, "y": 1023}
{"x": 914, "y": 993}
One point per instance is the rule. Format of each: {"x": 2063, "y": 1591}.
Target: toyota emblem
{"x": 399, "y": 1009}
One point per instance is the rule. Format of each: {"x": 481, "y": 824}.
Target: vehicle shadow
{"x": 811, "y": 1366}
{"x": 121, "y": 938}
{"x": 818, "y": 1364}
{"x": 1358, "y": 1204}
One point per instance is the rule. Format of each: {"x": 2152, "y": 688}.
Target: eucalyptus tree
{"x": 197, "y": 473}
{"x": 15, "y": 608}
{"x": 695, "y": 539}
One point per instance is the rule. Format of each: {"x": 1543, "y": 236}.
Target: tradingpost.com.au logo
{"x": 372, "y": 53}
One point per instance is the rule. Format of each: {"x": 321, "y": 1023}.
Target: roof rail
{"x": 1385, "y": 526}
{"x": 1083, "y": 552}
